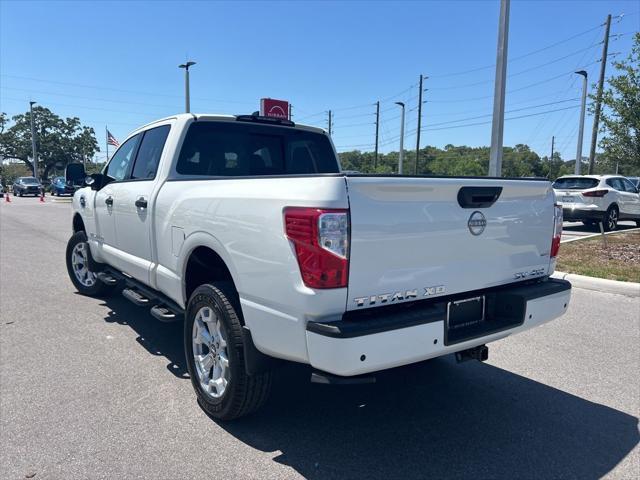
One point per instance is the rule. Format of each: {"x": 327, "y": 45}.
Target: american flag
{"x": 111, "y": 140}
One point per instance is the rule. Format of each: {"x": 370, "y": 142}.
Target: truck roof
{"x": 220, "y": 117}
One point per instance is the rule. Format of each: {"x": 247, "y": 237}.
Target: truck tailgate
{"x": 411, "y": 239}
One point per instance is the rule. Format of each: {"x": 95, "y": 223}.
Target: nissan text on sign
{"x": 270, "y": 107}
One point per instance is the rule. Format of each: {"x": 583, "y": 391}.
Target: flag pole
{"x": 106, "y": 132}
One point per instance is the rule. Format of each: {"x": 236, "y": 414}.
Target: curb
{"x": 630, "y": 289}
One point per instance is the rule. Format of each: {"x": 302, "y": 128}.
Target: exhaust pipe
{"x": 480, "y": 353}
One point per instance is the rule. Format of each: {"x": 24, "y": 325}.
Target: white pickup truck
{"x": 246, "y": 228}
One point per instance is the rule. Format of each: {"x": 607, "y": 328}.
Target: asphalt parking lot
{"x": 94, "y": 388}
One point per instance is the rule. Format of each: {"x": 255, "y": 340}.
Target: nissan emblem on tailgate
{"x": 477, "y": 223}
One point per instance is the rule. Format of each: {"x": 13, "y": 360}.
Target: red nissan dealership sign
{"x": 270, "y": 107}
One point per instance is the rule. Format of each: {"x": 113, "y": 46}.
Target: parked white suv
{"x": 598, "y": 198}
{"x": 246, "y": 228}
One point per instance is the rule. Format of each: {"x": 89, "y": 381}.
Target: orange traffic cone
{"x": 42, "y": 197}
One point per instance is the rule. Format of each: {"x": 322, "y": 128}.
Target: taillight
{"x": 557, "y": 230}
{"x": 595, "y": 193}
{"x": 321, "y": 241}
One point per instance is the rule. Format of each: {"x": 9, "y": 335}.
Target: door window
{"x": 120, "y": 164}
{"x": 149, "y": 153}
{"x": 616, "y": 183}
{"x": 628, "y": 186}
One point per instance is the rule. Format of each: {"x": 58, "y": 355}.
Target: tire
{"x": 242, "y": 394}
{"x": 85, "y": 281}
{"x": 20, "y": 194}
{"x": 610, "y": 219}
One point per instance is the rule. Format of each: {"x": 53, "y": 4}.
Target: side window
{"x": 628, "y": 186}
{"x": 120, "y": 163}
{"x": 616, "y": 184}
{"x": 150, "y": 151}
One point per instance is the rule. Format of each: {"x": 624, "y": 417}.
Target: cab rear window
{"x": 234, "y": 149}
{"x": 575, "y": 183}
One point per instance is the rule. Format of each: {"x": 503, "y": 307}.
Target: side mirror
{"x": 96, "y": 181}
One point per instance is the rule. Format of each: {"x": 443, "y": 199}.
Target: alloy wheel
{"x": 80, "y": 264}
{"x": 210, "y": 352}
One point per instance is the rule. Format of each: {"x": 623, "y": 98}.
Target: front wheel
{"x": 84, "y": 279}
{"x": 610, "y": 221}
{"x": 215, "y": 356}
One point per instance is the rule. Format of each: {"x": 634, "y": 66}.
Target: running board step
{"x": 164, "y": 313}
{"x": 107, "y": 278}
{"x": 135, "y": 297}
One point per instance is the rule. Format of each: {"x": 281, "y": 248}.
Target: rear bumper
{"x": 582, "y": 212}
{"x": 386, "y": 338}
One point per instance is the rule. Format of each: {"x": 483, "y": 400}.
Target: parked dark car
{"x": 2, "y": 191}
{"x": 26, "y": 186}
{"x": 60, "y": 186}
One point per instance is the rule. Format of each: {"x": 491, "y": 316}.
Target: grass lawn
{"x": 620, "y": 261}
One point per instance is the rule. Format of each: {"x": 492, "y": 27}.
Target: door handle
{"x": 141, "y": 203}
{"x": 109, "y": 201}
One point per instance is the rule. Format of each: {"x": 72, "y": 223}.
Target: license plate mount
{"x": 465, "y": 313}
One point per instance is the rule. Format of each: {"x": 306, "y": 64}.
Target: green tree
{"x": 621, "y": 116}
{"x": 59, "y": 141}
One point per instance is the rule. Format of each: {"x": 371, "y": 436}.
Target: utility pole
{"x": 578, "y": 167}
{"x": 375, "y": 159}
{"x": 290, "y": 111}
{"x": 497, "y": 127}
{"x": 401, "y": 152}
{"x": 419, "y": 123}
{"x": 596, "y": 116}
{"x": 34, "y": 151}
{"x": 330, "y": 126}
{"x": 187, "y": 100}
{"x": 553, "y": 140}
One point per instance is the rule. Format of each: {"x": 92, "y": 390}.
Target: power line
{"x": 526, "y": 70}
{"x": 136, "y": 92}
{"x": 83, "y": 107}
{"x": 511, "y": 118}
{"x": 507, "y": 111}
{"x": 520, "y": 56}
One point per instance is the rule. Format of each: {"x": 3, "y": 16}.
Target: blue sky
{"x": 115, "y": 63}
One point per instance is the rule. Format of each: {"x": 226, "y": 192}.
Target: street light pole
{"x": 581, "y": 126}
{"x": 187, "y": 101}
{"x": 401, "y": 153}
{"x": 497, "y": 127}
{"x": 33, "y": 141}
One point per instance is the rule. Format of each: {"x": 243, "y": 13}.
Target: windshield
{"x": 575, "y": 183}
{"x": 29, "y": 181}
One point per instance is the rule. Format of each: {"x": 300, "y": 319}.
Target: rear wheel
{"x": 215, "y": 356}
{"x": 82, "y": 277}
{"x": 610, "y": 221}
